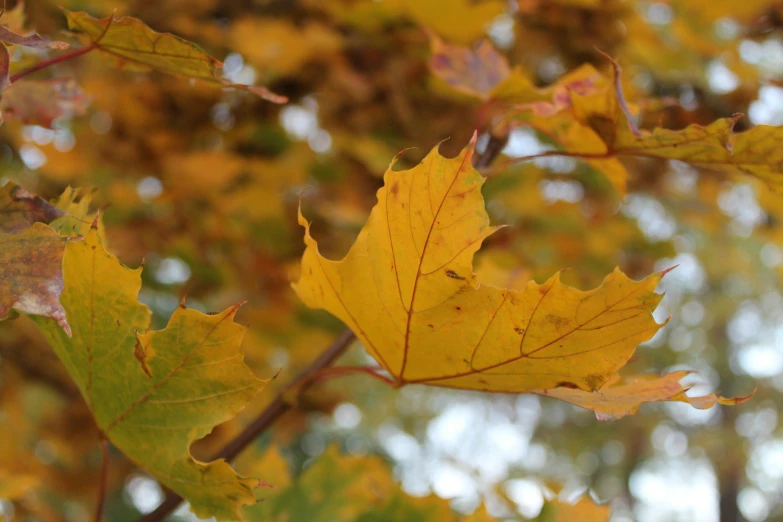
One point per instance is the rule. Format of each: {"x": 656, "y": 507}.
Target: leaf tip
{"x": 667, "y": 270}
{"x": 232, "y": 311}
{"x": 738, "y": 400}
{"x": 182, "y": 302}
{"x": 399, "y": 155}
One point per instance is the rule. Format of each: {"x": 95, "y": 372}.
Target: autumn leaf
{"x": 407, "y": 289}
{"x": 464, "y": 21}
{"x": 619, "y": 398}
{"x": 599, "y": 127}
{"x": 475, "y": 72}
{"x": 584, "y": 510}
{"x": 335, "y": 487}
{"x": 136, "y": 47}
{"x": 484, "y": 73}
{"x": 19, "y": 209}
{"x": 351, "y": 489}
{"x": 31, "y": 278}
{"x": 36, "y": 41}
{"x": 153, "y": 394}
{"x": 40, "y": 102}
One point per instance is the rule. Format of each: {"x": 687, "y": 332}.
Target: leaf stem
{"x": 324, "y": 374}
{"x": 104, "y": 478}
{"x": 52, "y": 61}
{"x": 265, "y": 419}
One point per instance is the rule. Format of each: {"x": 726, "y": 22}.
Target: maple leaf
{"x": 19, "y": 209}
{"x": 40, "y": 102}
{"x": 136, "y": 47}
{"x": 464, "y": 21}
{"x": 31, "y": 278}
{"x": 351, "y": 489}
{"x": 484, "y": 73}
{"x": 598, "y": 126}
{"x": 475, "y": 72}
{"x": 153, "y": 394}
{"x": 584, "y": 510}
{"x": 406, "y": 288}
{"x": 335, "y": 487}
{"x": 619, "y": 398}
{"x": 12, "y": 21}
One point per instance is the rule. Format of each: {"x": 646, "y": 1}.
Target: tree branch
{"x": 494, "y": 146}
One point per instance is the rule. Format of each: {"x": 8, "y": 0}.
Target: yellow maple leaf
{"x": 407, "y": 289}
{"x": 598, "y": 127}
{"x": 134, "y": 46}
{"x": 619, "y": 398}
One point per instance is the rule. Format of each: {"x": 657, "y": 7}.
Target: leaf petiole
{"x": 52, "y": 61}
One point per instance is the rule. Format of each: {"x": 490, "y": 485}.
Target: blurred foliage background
{"x": 202, "y": 185}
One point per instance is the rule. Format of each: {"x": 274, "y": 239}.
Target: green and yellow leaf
{"x": 136, "y": 47}
{"x": 153, "y": 394}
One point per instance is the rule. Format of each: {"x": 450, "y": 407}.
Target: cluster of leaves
{"x": 406, "y": 288}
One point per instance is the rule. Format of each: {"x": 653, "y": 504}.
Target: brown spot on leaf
{"x": 452, "y": 274}
{"x": 141, "y": 356}
{"x": 594, "y": 381}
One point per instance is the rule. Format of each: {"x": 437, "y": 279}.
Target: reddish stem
{"x": 324, "y": 374}
{"x": 104, "y": 478}
{"x": 52, "y": 61}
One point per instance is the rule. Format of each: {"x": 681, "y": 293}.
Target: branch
{"x": 274, "y": 411}
{"x": 494, "y": 146}
{"x": 52, "y": 61}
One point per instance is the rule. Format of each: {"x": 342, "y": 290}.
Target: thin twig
{"x": 52, "y": 61}
{"x": 104, "y": 478}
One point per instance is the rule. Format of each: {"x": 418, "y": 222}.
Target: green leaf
{"x": 153, "y": 394}
{"x": 137, "y": 47}
{"x": 352, "y": 489}
{"x": 335, "y": 487}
